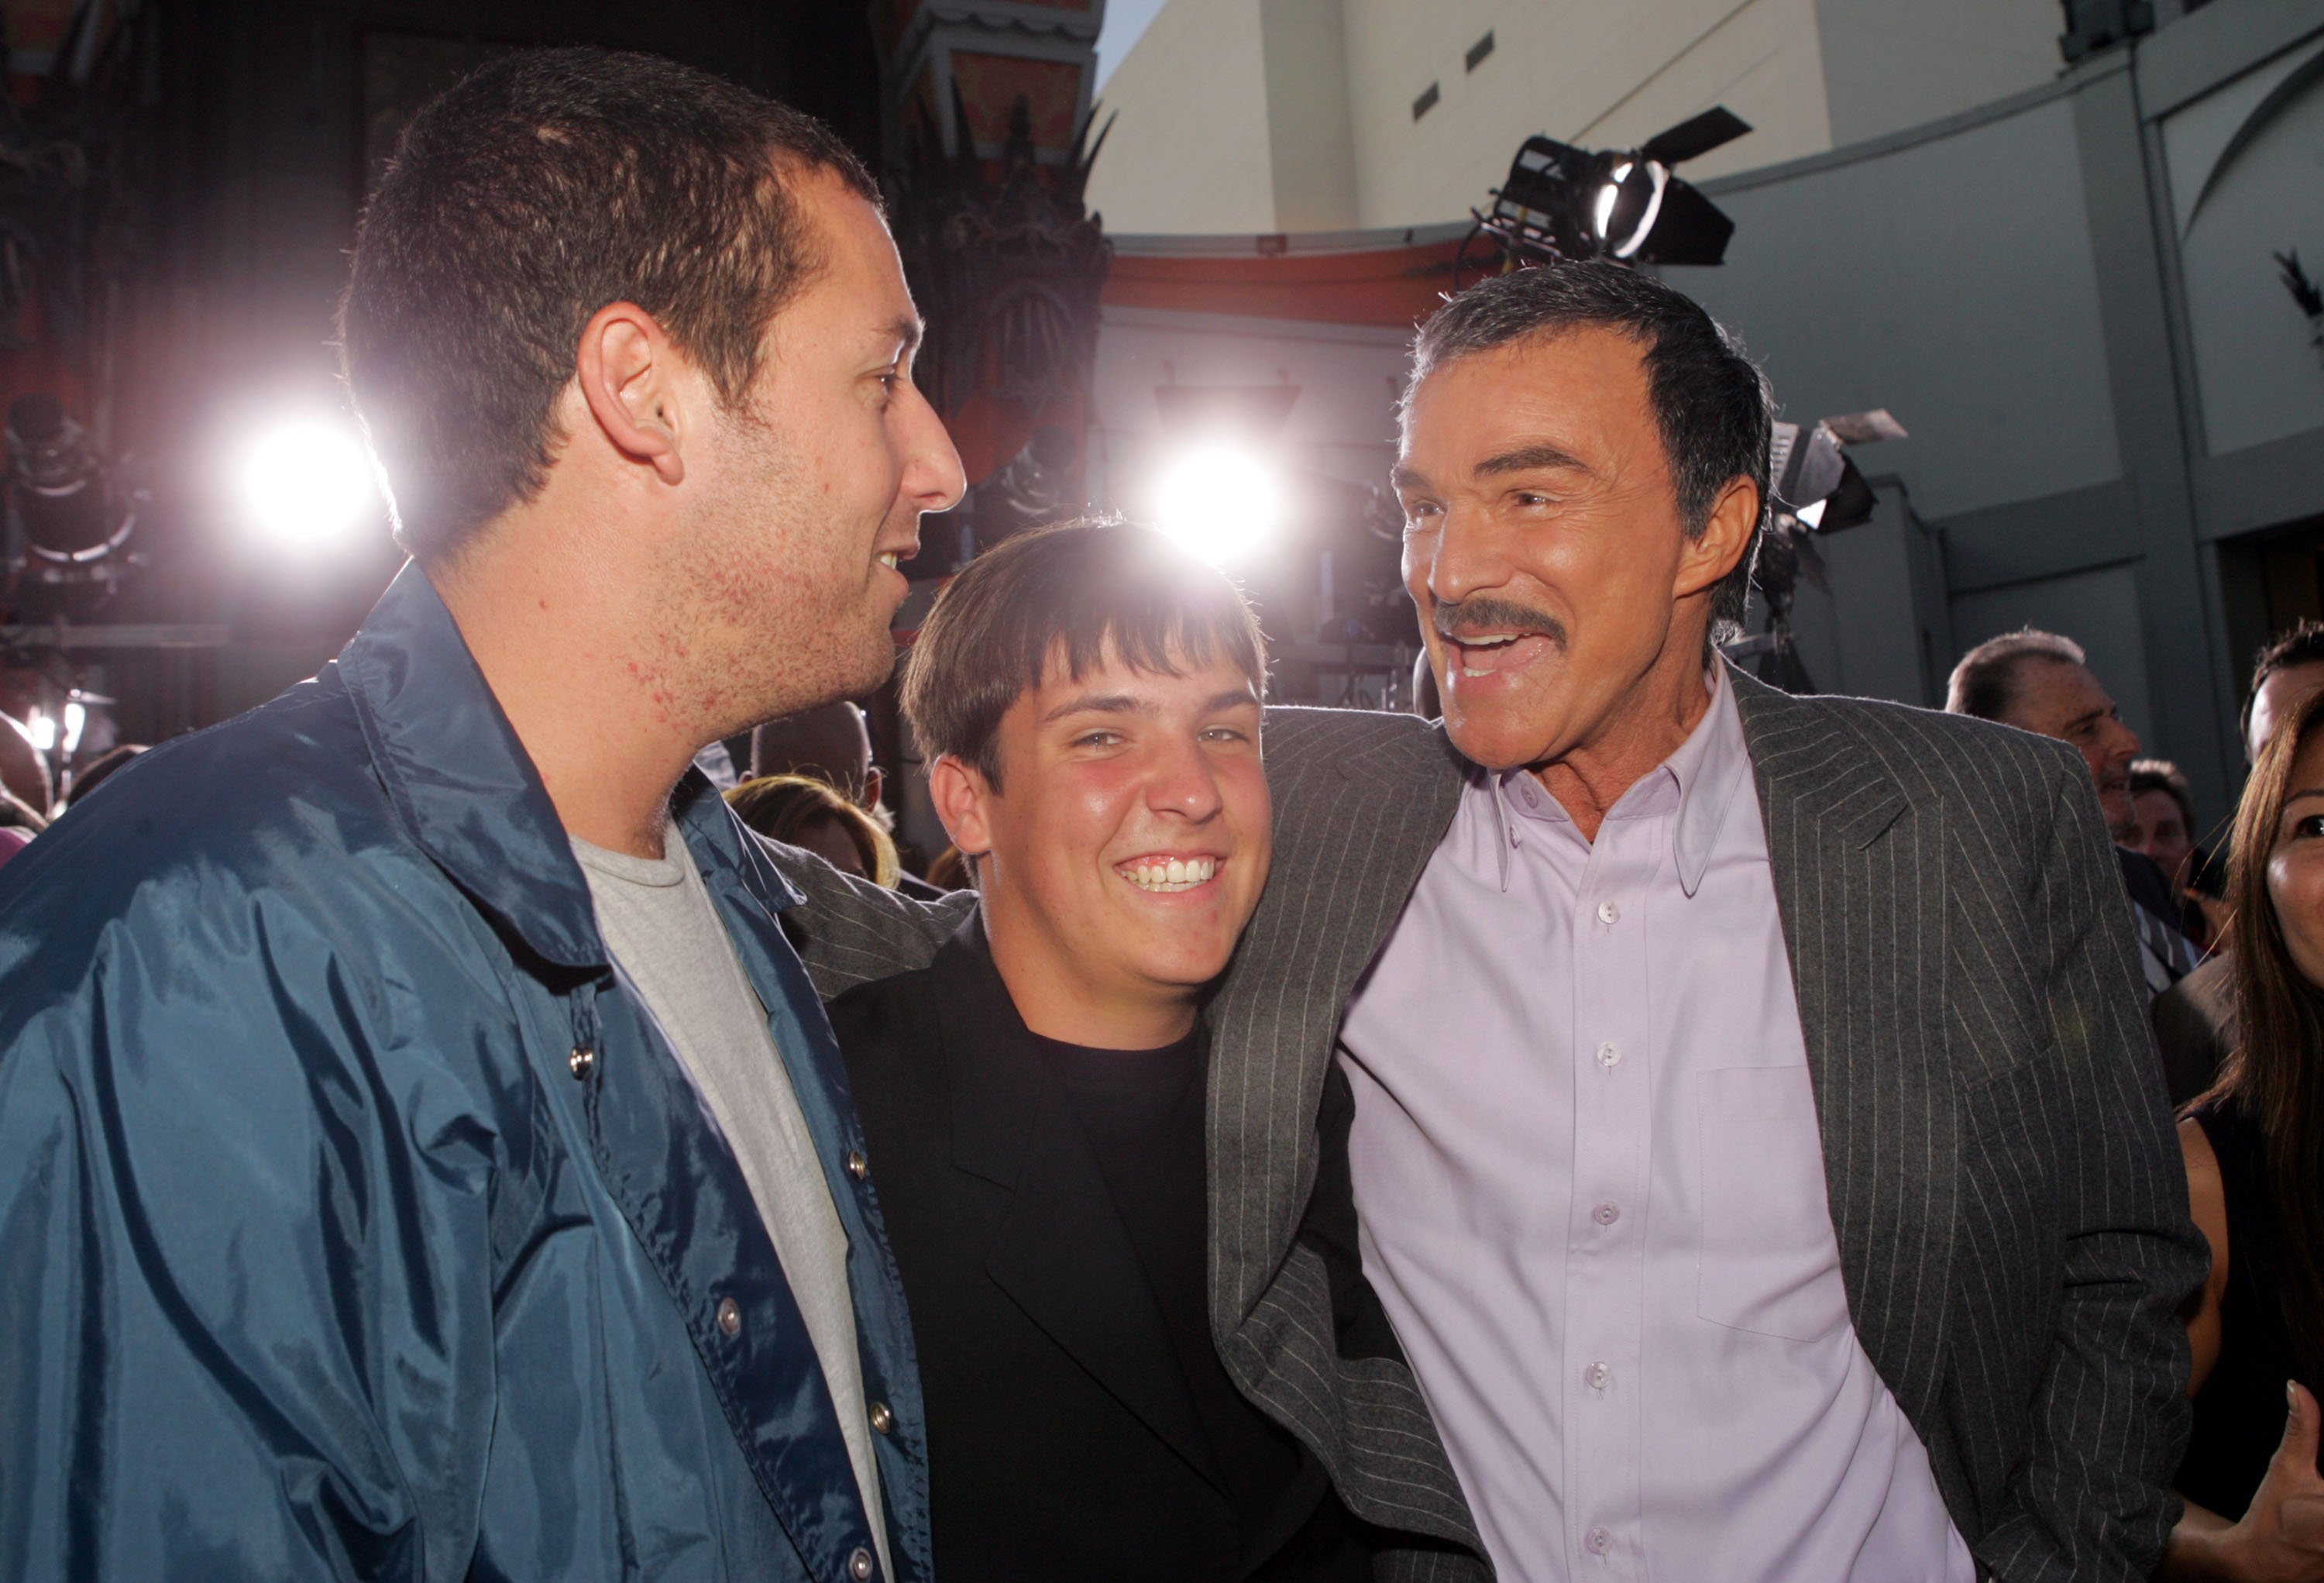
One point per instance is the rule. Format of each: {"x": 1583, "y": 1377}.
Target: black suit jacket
{"x": 1064, "y": 1440}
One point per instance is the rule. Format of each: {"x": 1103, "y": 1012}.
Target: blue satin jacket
{"x": 353, "y": 1222}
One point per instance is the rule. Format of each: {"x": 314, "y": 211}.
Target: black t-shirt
{"x": 1142, "y": 1111}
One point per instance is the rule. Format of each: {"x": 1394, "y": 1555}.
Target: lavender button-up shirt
{"x": 1592, "y": 1196}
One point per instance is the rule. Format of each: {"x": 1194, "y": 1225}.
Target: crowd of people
{"x": 1631, "y": 1123}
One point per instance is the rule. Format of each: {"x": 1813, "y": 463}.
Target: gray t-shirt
{"x": 666, "y": 939}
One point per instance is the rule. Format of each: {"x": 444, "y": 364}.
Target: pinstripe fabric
{"x": 2010, "y": 1208}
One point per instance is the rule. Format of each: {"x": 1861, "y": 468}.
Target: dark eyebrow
{"x": 2293, "y": 797}
{"x": 1091, "y": 703}
{"x": 1527, "y": 458}
{"x": 1228, "y": 700}
{"x": 2078, "y": 721}
{"x": 908, "y": 332}
{"x": 1403, "y": 477}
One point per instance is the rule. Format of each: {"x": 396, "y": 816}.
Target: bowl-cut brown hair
{"x": 1072, "y": 596}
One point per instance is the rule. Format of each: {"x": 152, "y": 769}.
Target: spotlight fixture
{"x": 1814, "y": 489}
{"x": 1221, "y": 501}
{"x": 308, "y": 482}
{"x": 68, "y": 519}
{"x": 1563, "y": 202}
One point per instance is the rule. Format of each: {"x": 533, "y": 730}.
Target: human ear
{"x": 629, "y": 372}
{"x": 1705, "y": 560}
{"x": 963, "y": 797}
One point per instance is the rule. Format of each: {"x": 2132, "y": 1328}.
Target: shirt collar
{"x": 1703, "y": 773}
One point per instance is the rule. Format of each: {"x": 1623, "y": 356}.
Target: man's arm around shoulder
{"x": 851, "y": 932}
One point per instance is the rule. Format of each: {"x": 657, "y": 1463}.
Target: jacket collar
{"x": 1804, "y": 766}
{"x": 468, "y": 793}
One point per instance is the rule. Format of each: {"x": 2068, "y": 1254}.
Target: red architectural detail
{"x": 1393, "y": 287}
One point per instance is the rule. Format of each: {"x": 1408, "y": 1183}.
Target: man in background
{"x": 832, "y": 742}
{"x": 2041, "y": 682}
{"x": 421, "y": 1151}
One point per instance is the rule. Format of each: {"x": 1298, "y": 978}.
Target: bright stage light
{"x": 308, "y": 482}
{"x": 1219, "y": 502}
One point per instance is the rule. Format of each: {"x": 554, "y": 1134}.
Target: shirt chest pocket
{"x": 1769, "y": 1261}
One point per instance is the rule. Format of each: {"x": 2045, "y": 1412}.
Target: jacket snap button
{"x": 583, "y": 1060}
{"x": 882, "y": 1419}
{"x": 729, "y": 1316}
{"x": 859, "y": 1565}
{"x": 856, "y": 1167}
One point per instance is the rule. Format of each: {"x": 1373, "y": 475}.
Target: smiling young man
{"x": 1034, "y": 1100}
{"x": 427, "y": 1159}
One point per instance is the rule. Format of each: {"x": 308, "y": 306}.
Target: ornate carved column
{"x": 988, "y": 114}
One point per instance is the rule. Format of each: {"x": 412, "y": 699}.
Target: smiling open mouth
{"x": 1165, "y": 875}
{"x": 1487, "y": 653}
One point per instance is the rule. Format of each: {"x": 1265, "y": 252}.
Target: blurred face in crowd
{"x": 779, "y": 589}
{"x": 1543, "y": 545}
{"x": 2054, "y": 698}
{"x": 2164, "y": 836}
{"x": 2278, "y": 699}
{"x": 1123, "y": 851}
{"x": 2295, "y": 869}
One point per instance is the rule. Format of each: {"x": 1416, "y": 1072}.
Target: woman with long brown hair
{"x": 2254, "y": 1149}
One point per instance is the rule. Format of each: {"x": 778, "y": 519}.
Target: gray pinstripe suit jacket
{"x": 2009, "y": 1201}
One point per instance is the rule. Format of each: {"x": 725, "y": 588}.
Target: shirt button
{"x": 1608, "y": 913}
{"x": 1606, "y": 1214}
{"x": 1609, "y": 1055}
{"x": 859, "y": 1564}
{"x": 583, "y": 1061}
{"x": 730, "y": 1316}
{"x": 882, "y": 1419}
{"x": 1600, "y": 1542}
{"x": 1597, "y": 1373}
{"x": 856, "y": 1167}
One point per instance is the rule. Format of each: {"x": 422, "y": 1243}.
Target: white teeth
{"x": 1171, "y": 874}
{"x": 1486, "y": 642}
{"x": 890, "y": 559}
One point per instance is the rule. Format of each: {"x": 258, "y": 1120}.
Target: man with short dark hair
{"x": 1033, "y": 1101}
{"x": 423, "y": 1153}
{"x": 2287, "y": 672}
{"x": 2041, "y": 682}
{"x": 1756, "y": 1144}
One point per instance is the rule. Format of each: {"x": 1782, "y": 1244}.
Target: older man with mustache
{"x": 1755, "y": 1144}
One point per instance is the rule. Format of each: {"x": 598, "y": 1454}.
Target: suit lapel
{"x": 1358, "y": 814}
{"x": 1061, "y": 1254}
{"x": 1859, "y": 877}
